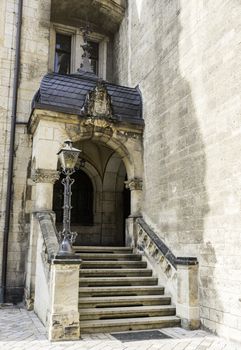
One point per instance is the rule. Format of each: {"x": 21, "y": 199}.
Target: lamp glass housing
{"x": 68, "y": 156}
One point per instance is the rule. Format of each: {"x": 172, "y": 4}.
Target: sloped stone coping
{"x": 173, "y": 260}
{"x": 49, "y": 233}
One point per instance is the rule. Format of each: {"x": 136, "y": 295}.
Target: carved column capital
{"x": 45, "y": 176}
{"x": 134, "y": 184}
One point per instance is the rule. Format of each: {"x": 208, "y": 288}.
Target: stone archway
{"x": 123, "y": 151}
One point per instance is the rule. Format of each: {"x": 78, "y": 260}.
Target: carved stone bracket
{"x": 134, "y": 184}
{"x": 45, "y": 176}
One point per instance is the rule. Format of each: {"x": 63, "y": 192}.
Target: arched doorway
{"x": 100, "y": 201}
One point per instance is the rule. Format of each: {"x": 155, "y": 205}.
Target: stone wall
{"x": 34, "y": 63}
{"x": 185, "y": 56}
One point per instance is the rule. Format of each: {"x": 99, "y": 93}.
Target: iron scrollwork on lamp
{"x": 68, "y": 157}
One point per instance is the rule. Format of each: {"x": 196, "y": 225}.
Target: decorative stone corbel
{"x": 134, "y": 184}
{"x": 45, "y": 176}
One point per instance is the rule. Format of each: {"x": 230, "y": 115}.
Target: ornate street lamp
{"x": 68, "y": 157}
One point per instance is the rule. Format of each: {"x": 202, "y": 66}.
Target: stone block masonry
{"x": 34, "y": 64}
{"x": 185, "y": 57}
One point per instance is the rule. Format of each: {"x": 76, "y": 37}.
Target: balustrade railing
{"x": 179, "y": 274}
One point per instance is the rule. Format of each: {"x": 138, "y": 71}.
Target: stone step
{"x": 100, "y": 249}
{"x": 116, "y": 301}
{"x": 120, "y": 290}
{"x": 126, "y": 312}
{"x": 111, "y": 257}
{"x": 128, "y": 324}
{"x": 117, "y": 281}
{"x": 115, "y": 272}
{"x": 113, "y": 264}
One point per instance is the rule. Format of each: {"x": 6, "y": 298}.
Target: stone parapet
{"x": 57, "y": 283}
{"x": 179, "y": 274}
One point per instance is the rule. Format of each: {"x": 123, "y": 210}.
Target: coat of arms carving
{"x": 98, "y": 102}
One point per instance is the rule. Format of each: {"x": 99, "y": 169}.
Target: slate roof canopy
{"x": 68, "y": 93}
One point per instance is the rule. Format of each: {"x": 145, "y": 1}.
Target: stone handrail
{"x": 164, "y": 250}
{"x": 49, "y": 233}
{"x": 56, "y": 284}
{"x": 179, "y": 274}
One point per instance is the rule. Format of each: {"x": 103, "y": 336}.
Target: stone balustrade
{"x": 179, "y": 274}
{"x": 57, "y": 284}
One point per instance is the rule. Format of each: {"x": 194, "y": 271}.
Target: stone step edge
{"x": 124, "y": 288}
{"x": 131, "y": 298}
{"x": 118, "y": 279}
{"x": 128, "y": 321}
{"x": 114, "y": 262}
{"x": 112, "y": 256}
{"x": 114, "y": 271}
{"x": 124, "y": 309}
{"x": 86, "y": 247}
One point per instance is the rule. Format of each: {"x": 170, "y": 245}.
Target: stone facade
{"x": 34, "y": 63}
{"x": 185, "y": 58}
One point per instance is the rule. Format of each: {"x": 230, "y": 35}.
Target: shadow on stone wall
{"x": 176, "y": 199}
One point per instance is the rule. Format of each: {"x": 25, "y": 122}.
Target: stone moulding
{"x": 123, "y": 128}
{"x": 45, "y": 176}
{"x": 115, "y": 8}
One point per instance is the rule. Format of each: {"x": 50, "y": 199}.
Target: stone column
{"x": 63, "y": 317}
{"x": 44, "y": 179}
{"x": 187, "y": 307}
{"x": 135, "y": 186}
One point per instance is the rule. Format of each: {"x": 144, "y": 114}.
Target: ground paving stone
{"x": 21, "y": 330}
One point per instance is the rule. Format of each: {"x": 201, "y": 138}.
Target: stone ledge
{"x": 66, "y": 260}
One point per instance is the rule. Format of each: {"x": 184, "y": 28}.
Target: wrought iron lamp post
{"x": 68, "y": 157}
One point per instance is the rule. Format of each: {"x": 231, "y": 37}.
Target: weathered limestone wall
{"x": 185, "y": 55}
{"x": 34, "y": 63}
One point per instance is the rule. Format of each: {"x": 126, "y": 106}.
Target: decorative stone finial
{"x": 85, "y": 65}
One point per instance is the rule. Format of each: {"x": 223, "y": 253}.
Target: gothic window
{"x": 62, "y": 54}
{"x": 82, "y": 200}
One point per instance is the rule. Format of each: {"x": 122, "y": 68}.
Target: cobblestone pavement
{"x": 21, "y": 330}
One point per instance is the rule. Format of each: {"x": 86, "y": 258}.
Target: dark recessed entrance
{"x": 82, "y": 200}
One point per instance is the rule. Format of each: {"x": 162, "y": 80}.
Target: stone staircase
{"x": 118, "y": 292}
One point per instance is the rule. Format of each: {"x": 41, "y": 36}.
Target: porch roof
{"x": 68, "y": 93}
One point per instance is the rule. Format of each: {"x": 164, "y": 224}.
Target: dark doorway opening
{"x": 82, "y": 199}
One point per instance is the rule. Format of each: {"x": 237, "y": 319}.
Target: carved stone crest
{"x": 98, "y": 102}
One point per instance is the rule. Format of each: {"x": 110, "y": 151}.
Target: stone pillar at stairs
{"x": 135, "y": 186}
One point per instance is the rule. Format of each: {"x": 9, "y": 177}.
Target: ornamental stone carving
{"x": 45, "y": 176}
{"x": 98, "y": 103}
{"x": 134, "y": 184}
